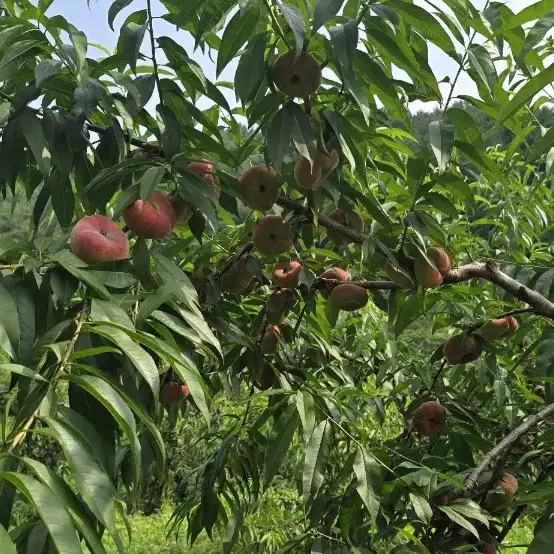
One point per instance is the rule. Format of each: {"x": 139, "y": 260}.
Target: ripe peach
{"x": 281, "y": 301}
{"x": 297, "y": 77}
{"x": 276, "y": 318}
{"x": 97, "y": 239}
{"x": 272, "y": 236}
{"x": 335, "y": 273}
{"x": 426, "y": 275}
{"x": 237, "y": 278}
{"x": 260, "y": 187}
{"x": 152, "y": 219}
{"x": 173, "y": 393}
{"x": 540, "y": 391}
{"x": 509, "y": 485}
{"x": 206, "y": 170}
{"x": 495, "y": 329}
{"x": 489, "y": 548}
{"x": 328, "y": 162}
{"x": 445, "y": 499}
{"x": 348, "y": 219}
{"x": 306, "y": 176}
{"x": 403, "y": 278}
{"x": 348, "y": 297}
{"x": 429, "y": 419}
{"x": 287, "y": 274}
{"x": 270, "y": 341}
{"x": 462, "y": 349}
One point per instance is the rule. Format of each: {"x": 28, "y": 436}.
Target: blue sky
{"x": 93, "y": 21}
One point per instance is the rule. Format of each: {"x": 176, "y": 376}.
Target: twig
{"x": 276, "y": 23}
{"x": 68, "y": 351}
{"x": 244, "y": 250}
{"x": 153, "y": 47}
{"x": 506, "y": 444}
{"x": 437, "y": 375}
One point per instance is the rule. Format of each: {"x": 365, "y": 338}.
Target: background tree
{"x": 289, "y": 252}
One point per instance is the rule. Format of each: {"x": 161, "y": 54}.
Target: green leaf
{"x": 278, "y": 137}
{"x": 108, "y": 311}
{"x": 544, "y": 365}
{"x": 119, "y": 410}
{"x": 293, "y": 17}
{"x": 542, "y": 541}
{"x": 480, "y": 60}
{"x": 236, "y": 34}
{"x": 30, "y": 127}
{"x": 115, "y": 8}
{"x": 91, "y": 481}
{"x": 279, "y": 441}
{"x": 251, "y": 69}
{"x": 169, "y": 272}
{"x": 6, "y": 544}
{"x": 480, "y": 159}
{"x": 155, "y": 299}
{"x": 421, "y": 20}
{"x": 21, "y": 370}
{"x": 325, "y": 10}
{"x": 150, "y": 180}
{"x": 9, "y": 316}
{"x": 135, "y": 403}
{"x": 132, "y": 35}
{"x": 524, "y": 94}
{"x": 49, "y": 508}
{"x": 86, "y": 98}
{"x": 45, "y": 70}
{"x": 170, "y": 130}
{"x": 441, "y": 137}
{"x": 18, "y": 50}
{"x": 116, "y": 172}
{"x": 368, "y": 481}
{"x": 344, "y": 39}
{"x": 81, "y": 519}
{"x": 302, "y": 132}
{"x": 459, "y": 519}
{"x": 530, "y": 13}
{"x": 422, "y": 508}
{"x": 317, "y": 452}
{"x": 465, "y": 128}
{"x": 80, "y": 44}
{"x": 535, "y": 35}
{"x": 63, "y": 199}
{"x": 233, "y": 530}
{"x": 306, "y": 410}
{"x": 74, "y": 265}
{"x": 142, "y": 361}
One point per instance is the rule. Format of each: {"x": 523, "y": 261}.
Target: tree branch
{"x": 153, "y": 48}
{"x": 506, "y": 444}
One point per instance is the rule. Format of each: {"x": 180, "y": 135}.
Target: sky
{"x": 93, "y": 22}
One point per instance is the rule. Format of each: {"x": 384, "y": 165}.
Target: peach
{"x": 287, "y": 274}
{"x": 173, "y": 393}
{"x": 96, "y": 239}
{"x": 335, "y": 273}
{"x": 495, "y": 329}
{"x": 270, "y": 340}
{"x": 509, "y": 485}
{"x": 266, "y": 377}
{"x": 462, "y": 349}
{"x": 260, "y": 187}
{"x": 427, "y": 276}
{"x": 540, "y": 390}
{"x": 272, "y": 236}
{"x": 348, "y": 297}
{"x": 489, "y": 548}
{"x": 151, "y": 219}
{"x": 237, "y": 278}
{"x": 348, "y": 219}
{"x": 206, "y": 170}
{"x": 281, "y": 301}
{"x": 429, "y": 419}
{"x": 307, "y": 177}
{"x": 297, "y": 76}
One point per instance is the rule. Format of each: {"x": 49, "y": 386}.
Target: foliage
{"x": 90, "y": 345}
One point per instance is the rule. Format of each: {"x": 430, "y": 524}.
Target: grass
{"x": 149, "y": 536}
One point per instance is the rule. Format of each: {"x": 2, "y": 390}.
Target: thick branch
{"x": 540, "y": 304}
{"x": 506, "y": 444}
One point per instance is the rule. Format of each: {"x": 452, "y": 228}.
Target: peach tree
{"x": 279, "y": 238}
